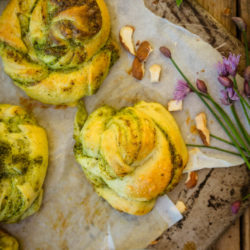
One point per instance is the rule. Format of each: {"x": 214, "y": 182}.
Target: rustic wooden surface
{"x": 197, "y": 20}
{"x": 214, "y": 26}
{"x": 222, "y": 11}
{"x": 244, "y": 12}
{"x": 237, "y": 237}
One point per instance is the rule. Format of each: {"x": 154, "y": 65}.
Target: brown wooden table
{"x": 237, "y": 237}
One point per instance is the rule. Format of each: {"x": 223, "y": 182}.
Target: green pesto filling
{"x": 48, "y": 54}
{"x": 17, "y": 167}
{"x": 176, "y": 161}
{"x": 123, "y": 122}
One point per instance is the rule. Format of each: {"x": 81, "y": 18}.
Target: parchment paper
{"x": 72, "y": 215}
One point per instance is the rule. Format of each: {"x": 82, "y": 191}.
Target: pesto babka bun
{"x": 23, "y": 163}
{"x": 8, "y": 242}
{"x": 131, "y": 156}
{"x": 57, "y": 51}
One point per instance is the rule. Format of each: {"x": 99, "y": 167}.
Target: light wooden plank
{"x": 246, "y": 230}
{"x": 222, "y": 11}
{"x": 244, "y": 6}
{"x": 230, "y": 240}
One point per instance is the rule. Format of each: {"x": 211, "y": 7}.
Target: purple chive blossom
{"x": 240, "y": 23}
{"x": 232, "y": 94}
{"x": 224, "y": 97}
{"x": 225, "y": 81}
{"x": 235, "y": 207}
{"x": 201, "y": 86}
{"x": 228, "y": 96}
{"x": 221, "y": 68}
{"x": 246, "y": 89}
{"x": 165, "y": 51}
{"x": 181, "y": 91}
{"x": 231, "y": 63}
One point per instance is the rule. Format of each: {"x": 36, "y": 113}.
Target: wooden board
{"x": 198, "y": 21}
{"x": 208, "y": 214}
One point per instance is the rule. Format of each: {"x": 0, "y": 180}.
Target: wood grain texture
{"x": 198, "y": 21}
{"x": 208, "y": 212}
{"x": 246, "y": 230}
{"x": 244, "y": 12}
{"x": 222, "y": 11}
{"x": 237, "y": 237}
{"x": 230, "y": 240}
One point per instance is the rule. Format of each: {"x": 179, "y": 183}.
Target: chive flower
{"x": 225, "y": 81}
{"x": 240, "y": 23}
{"x": 235, "y": 207}
{"x": 201, "y": 86}
{"x": 182, "y": 90}
{"x": 165, "y": 51}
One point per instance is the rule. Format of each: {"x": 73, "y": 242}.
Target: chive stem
{"x": 230, "y": 124}
{"x": 242, "y": 99}
{"x": 237, "y": 119}
{"x": 212, "y": 147}
{"x": 223, "y": 140}
{"x": 245, "y": 112}
{"x": 215, "y": 115}
{"x": 246, "y": 197}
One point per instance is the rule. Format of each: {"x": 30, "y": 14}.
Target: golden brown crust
{"x": 10, "y": 30}
{"x": 132, "y": 155}
{"x": 23, "y": 161}
{"x": 47, "y": 45}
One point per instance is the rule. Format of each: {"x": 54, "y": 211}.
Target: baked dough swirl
{"x": 131, "y": 156}
{"x": 23, "y": 163}
{"x": 57, "y": 51}
{"x": 8, "y": 242}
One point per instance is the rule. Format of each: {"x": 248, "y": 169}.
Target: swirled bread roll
{"x": 131, "y": 156}
{"x": 23, "y": 163}
{"x": 57, "y": 51}
{"x": 8, "y": 242}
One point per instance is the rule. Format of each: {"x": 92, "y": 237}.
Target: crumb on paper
{"x": 138, "y": 69}
{"x": 126, "y": 38}
{"x": 60, "y": 107}
{"x": 192, "y": 180}
{"x": 144, "y": 50}
{"x": 201, "y": 126}
{"x": 174, "y": 105}
{"x": 180, "y": 205}
{"x": 155, "y": 72}
{"x": 129, "y": 71}
{"x": 193, "y": 129}
{"x": 29, "y": 104}
{"x": 188, "y": 120}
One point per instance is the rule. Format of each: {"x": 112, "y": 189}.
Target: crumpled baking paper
{"x": 72, "y": 215}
